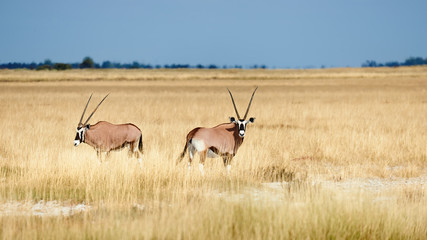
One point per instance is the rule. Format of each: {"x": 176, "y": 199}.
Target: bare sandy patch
{"x": 379, "y": 188}
{"x": 42, "y": 208}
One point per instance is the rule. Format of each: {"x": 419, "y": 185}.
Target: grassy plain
{"x": 348, "y": 146}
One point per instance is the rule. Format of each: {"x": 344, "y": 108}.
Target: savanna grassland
{"x": 333, "y": 154}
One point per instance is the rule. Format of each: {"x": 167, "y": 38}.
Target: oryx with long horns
{"x": 105, "y": 136}
{"x": 221, "y": 141}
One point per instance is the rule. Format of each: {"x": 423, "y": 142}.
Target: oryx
{"x": 221, "y": 141}
{"x": 105, "y": 136}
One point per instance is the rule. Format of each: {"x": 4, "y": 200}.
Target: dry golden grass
{"x": 313, "y": 128}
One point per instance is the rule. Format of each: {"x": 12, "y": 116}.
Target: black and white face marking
{"x": 80, "y": 136}
{"x": 242, "y": 125}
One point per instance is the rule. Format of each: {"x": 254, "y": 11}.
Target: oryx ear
{"x": 232, "y": 119}
{"x": 251, "y": 120}
{"x": 88, "y": 126}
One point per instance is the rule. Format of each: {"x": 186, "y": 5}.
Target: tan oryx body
{"x": 221, "y": 141}
{"x": 105, "y": 137}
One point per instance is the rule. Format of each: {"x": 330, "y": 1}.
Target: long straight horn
{"x": 85, "y": 109}
{"x": 232, "y": 99}
{"x": 95, "y": 109}
{"x": 249, "y": 106}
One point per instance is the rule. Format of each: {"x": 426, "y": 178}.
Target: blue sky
{"x": 281, "y": 34}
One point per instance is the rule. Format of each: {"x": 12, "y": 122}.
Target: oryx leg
{"x": 130, "y": 152}
{"x": 202, "y": 161}
{"x": 99, "y": 156}
{"x": 107, "y": 155}
{"x": 199, "y": 146}
{"x": 227, "y": 161}
{"x": 191, "y": 152}
{"x": 138, "y": 155}
{"x": 134, "y": 152}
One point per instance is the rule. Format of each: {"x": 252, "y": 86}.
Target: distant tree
{"x": 61, "y": 66}
{"x": 148, "y": 66}
{"x": 256, "y": 66}
{"x": 212, "y": 66}
{"x": 134, "y": 65}
{"x": 107, "y": 64}
{"x": 32, "y": 65}
{"x": 369, "y": 63}
{"x": 412, "y": 61}
{"x": 14, "y": 65}
{"x": 179, "y": 66}
{"x": 75, "y": 65}
{"x": 44, "y": 67}
{"x": 48, "y": 62}
{"x": 117, "y": 65}
{"x": 87, "y": 63}
{"x": 390, "y": 64}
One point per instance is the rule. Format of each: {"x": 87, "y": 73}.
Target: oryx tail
{"x": 140, "y": 146}
{"x": 184, "y": 151}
